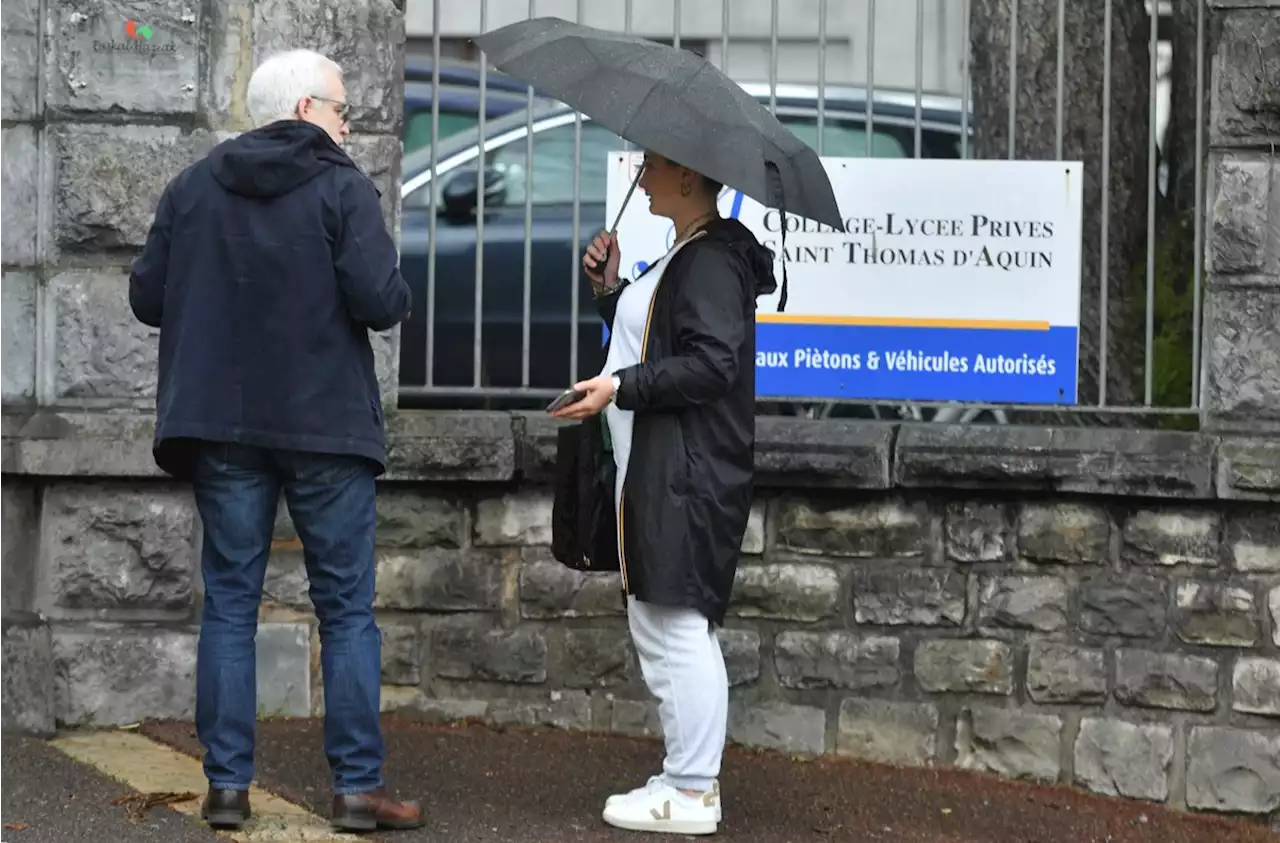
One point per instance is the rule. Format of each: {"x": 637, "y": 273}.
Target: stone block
{"x": 408, "y": 518}
{"x": 1233, "y": 770}
{"x": 1239, "y": 229}
{"x": 879, "y": 529}
{"x": 439, "y": 581}
{"x": 1009, "y": 743}
{"x": 1022, "y": 603}
{"x": 891, "y": 596}
{"x": 1216, "y": 614}
{"x": 364, "y": 37}
{"x": 21, "y": 179}
{"x": 1125, "y": 604}
{"x": 112, "y": 676}
{"x": 561, "y": 710}
{"x": 976, "y": 532}
{"x": 26, "y": 677}
{"x": 286, "y": 582}
{"x": 741, "y": 651}
{"x": 522, "y": 519}
{"x": 1117, "y": 758}
{"x": 401, "y": 653}
{"x": 964, "y": 666}
{"x": 1070, "y": 459}
{"x": 835, "y": 659}
{"x": 104, "y": 201}
{"x": 1242, "y": 382}
{"x": 450, "y": 447}
{"x": 1245, "y": 99}
{"x": 801, "y": 453}
{"x": 490, "y": 655}
{"x": 123, "y": 56}
{"x": 20, "y": 60}
{"x": 1065, "y": 673}
{"x": 786, "y": 591}
{"x": 1255, "y": 686}
{"x": 549, "y": 589}
{"x": 1171, "y": 537}
{"x": 1249, "y": 468}
{"x": 21, "y": 523}
{"x": 1063, "y": 533}
{"x": 102, "y": 350}
{"x": 80, "y": 444}
{"x": 378, "y": 157}
{"x": 284, "y": 669}
{"x": 597, "y": 658}
{"x": 787, "y": 728}
{"x": 116, "y": 547}
{"x": 1273, "y": 606}
{"x": 753, "y": 538}
{"x": 412, "y": 702}
{"x": 888, "y": 732}
{"x": 636, "y": 719}
{"x": 1166, "y": 680}
{"x": 19, "y": 350}
{"x": 1253, "y": 538}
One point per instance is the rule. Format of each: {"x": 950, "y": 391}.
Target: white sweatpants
{"x": 681, "y": 662}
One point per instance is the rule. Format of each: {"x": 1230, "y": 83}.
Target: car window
{"x": 417, "y": 129}
{"x": 553, "y": 165}
{"x": 844, "y": 138}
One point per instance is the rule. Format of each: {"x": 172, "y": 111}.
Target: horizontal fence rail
{"x": 501, "y": 318}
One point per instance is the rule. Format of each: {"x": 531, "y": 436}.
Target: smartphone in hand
{"x": 564, "y": 399}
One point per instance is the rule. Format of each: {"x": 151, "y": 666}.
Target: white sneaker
{"x": 660, "y": 807}
{"x": 655, "y": 784}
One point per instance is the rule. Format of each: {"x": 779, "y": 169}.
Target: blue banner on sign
{"x": 991, "y": 365}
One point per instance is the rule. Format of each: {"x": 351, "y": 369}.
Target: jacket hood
{"x": 273, "y": 160}
{"x": 738, "y": 238}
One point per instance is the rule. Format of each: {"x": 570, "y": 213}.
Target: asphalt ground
{"x": 483, "y": 785}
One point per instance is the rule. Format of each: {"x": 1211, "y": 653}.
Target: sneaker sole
{"x": 663, "y": 826}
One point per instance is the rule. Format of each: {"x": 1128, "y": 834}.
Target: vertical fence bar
{"x": 1152, "y": 50}
{"x": 628, "y": 27}
{"x": 1013, "y": 78}
{"x": 724, "y": 36}
{"x": 526, "y": 318}
{"x": 822, "y": 73}
{"x": 964, "y": 82}
{"x": 477, "y": 360}
{"x": 871, "y": 74}
{"x": 1059, "y": 128}
{"x": 773, "y": 58}
{"x": 435, "y": 191}
{"x": 675, "y": 25}
{"x": 919, "y": 127}
{"x": 1198, "y": 259}
{"x": 1104, "y": 269}
{"x": 574, "y": 257}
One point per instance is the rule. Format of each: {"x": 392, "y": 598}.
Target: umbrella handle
{"x": 614, "y": 230}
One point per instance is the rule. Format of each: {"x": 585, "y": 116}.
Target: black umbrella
{"x": 672, "y": 102}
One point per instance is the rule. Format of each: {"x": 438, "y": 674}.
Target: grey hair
{"x": 284, "y": 78}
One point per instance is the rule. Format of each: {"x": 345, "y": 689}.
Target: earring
{"x": 685, "y": 189}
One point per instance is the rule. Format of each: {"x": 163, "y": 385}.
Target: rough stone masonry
{"x": 1098, "y": 608}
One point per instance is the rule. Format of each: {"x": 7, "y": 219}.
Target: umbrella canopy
{"x": 671, "y": 102}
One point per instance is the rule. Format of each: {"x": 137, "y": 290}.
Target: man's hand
{"x": 599, "y": 390}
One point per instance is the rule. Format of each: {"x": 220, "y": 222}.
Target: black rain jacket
{"x": 689, "y": 478}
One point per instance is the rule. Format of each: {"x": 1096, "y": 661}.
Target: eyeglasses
{"x": 339, "y": 107}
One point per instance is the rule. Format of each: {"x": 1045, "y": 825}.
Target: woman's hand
{"x": 599, "y": 390}
{"x": 601, "y": 261}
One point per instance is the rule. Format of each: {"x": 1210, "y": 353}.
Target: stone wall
{"x": 1098, "y": 608}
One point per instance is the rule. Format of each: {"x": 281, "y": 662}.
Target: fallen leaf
{"x": 16, "y": 826}
{"x": 139, "y": 804}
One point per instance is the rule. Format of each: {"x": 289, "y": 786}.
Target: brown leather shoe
{"x": 374, "y": 810}
{"x": 226, "y": 808}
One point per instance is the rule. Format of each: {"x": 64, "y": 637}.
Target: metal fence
{"x": 524, "y": 292}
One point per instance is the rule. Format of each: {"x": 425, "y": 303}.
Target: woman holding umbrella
{"x": 678, "y": 393}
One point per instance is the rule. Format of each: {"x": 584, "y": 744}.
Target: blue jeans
{"x": 332, "y": 502}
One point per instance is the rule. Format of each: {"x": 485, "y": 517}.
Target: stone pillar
{"x": 102, "y": 108}
{"x": 1242, "y": 253}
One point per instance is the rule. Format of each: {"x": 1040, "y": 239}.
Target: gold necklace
{"x": 693, "y": 224}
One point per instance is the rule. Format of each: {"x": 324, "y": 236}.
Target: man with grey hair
{"x": 266, "y": 266}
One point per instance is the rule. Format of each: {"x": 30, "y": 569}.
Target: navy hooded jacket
{"x": 267, "y": 264}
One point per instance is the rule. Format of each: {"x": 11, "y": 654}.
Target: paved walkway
{"x": 485, "y": 786}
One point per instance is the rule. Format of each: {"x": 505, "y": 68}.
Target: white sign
{"x": 955, "y": 280}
